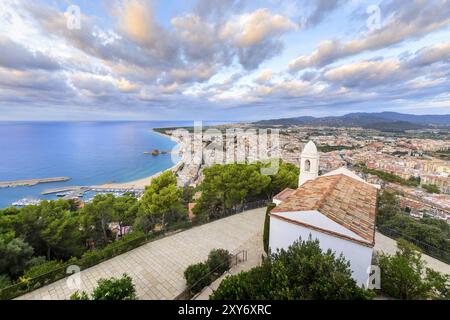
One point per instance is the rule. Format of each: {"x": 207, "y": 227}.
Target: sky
{"x": 224, "y": 60}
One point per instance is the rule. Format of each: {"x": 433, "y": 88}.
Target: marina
{"x": 26, "y": 202}
{"x": 86, "y": 192}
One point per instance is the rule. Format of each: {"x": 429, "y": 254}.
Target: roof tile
{"x": 347, "y": 201}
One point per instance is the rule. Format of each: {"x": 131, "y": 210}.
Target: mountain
{"x": 413, "y": 118}
{"x": 384, "y": 121}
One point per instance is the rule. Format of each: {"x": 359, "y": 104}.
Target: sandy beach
{"x": 142, "y": 183}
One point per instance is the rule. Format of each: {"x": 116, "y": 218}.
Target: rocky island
{"x": 156, "y": 152}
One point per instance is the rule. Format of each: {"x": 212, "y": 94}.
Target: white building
{"x": 338, "y": 209}
{"x": 309, "y": 163}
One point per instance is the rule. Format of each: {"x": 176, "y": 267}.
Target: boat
{"x": 26, "y": 202}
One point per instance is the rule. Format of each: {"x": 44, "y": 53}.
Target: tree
{"x": 431, "y": 235}
{"x": 161, "y": 203}
{"x": 52, "y": 228}
{"x": 15, "y": 254}
{"x": 110, "y": 289}
{"x": 405, "y": 276}
{"x": 5, "y": 281}
{"x": 387, "y": 207}
{"x": 286, "y": 177}
{"x": 97, "y": 216}
{"x": 188, "y": 194}
{"x": 28, "y": 225}
{"x": 125, "y": 210}
{"x": 63, "y": 235}
{"x": 228, "y": 187}
{"x": 431, "y": 188}
{"x": 302, "y": 271}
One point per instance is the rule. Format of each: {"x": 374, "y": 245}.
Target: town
{"x": 418, "y": 169}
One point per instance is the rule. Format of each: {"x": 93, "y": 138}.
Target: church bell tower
{"x": 309, "y": 163}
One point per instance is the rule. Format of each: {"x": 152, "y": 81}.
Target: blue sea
{"x": 88, "y": 152}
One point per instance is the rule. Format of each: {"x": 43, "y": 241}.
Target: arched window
{"x": 307, "y": 165}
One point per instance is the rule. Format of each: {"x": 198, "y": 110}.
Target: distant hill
{"x": 384, "y": 121}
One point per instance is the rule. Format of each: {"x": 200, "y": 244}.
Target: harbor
{"x": 31, "y": 182}
{"x": 79, "y": 192}
{"x": 87, "y": 193}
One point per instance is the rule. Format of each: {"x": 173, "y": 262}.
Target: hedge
{"x": 266, "y": 234}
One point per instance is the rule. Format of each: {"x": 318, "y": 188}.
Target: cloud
{"x": 382, "y": 82}
{"x": 364, "y": 73}
{"x": 389, "y": 72}
{"x": 256, "y": 36}
{"x": 218, "y": 59}
{"x": 34, "y": 87}
{"x": 250, "y": 29}
{"x": 137, "y": 21}
{"x": 199, "y": 40}
{"x": 16, "y": 56}
{"x": 218, "y": 10}
{"x": 321, "y": 9}
{"x": 427, "y": 56}
{"x": 409, "y": 19}
{"x": 265, "y": 76}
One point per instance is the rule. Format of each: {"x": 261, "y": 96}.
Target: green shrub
{"x": 197, "y": 276}
{"x": 91, "y": 258}
{"x": 219, "y": 260}
{"x": 79, "y": 296}
{"x": 115, "y": 289}
{"x": 250, "y": 285}
{"x": 42, "y": 268}
{"x": 5, "y": 281}
{"x": 110, "y": 289}
{"x": 301, "y": 272}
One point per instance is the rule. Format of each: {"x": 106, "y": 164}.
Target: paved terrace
{"x": 157, "y": 267}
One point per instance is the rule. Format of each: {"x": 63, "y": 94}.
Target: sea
{"x": 90, "y": 153}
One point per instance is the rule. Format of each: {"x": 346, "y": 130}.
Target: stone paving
{"x": 255, "y": 250}
{"x": 157, "y": 267}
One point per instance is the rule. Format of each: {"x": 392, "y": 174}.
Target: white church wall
{"x": 283, "y": 234}
{"x": 316, "y": 219}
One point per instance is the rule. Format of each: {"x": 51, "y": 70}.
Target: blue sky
{"x": 223, "y": 60}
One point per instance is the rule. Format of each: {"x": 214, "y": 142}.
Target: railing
{"x": 112, "y": 250}
{"x": 187, "y": 294}
{"x": 428, "y": 249}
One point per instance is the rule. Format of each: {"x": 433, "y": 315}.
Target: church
{"x": 337, "y": 208}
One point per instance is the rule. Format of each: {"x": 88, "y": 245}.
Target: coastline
{"x": 143, "y": 182}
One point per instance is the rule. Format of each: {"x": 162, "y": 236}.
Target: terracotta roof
{"x": 284, "y": 194}
{"x": 347, "y": 201}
